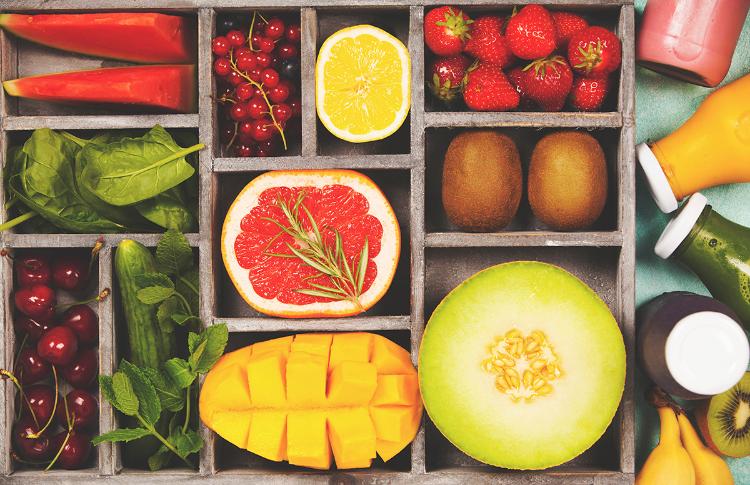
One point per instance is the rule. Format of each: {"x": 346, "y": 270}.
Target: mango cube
{"x": 267, "y": 436}
{"x": 352, "y": 383}
{"x": 396, "y": 389}
{"x": 306, "y": 376}
{"x": 265, "y": 375}
{"x": 352, "y": 436}
{"x": 307, "y": 439}
{"x": 350, "y": 347}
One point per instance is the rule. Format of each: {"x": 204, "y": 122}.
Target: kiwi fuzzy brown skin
{"x": 568, "y": 180}
{"x": 701, "y": 418}
{"x": 482, "y": 180}
{"x": 704, "y": 411}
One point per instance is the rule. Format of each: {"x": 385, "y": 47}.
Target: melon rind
{"x": 460, "y": 396}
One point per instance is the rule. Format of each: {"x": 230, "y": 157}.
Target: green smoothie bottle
{"x": 717, "y": 250}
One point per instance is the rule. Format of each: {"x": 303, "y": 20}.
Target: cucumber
{"x": 151, "y": 344}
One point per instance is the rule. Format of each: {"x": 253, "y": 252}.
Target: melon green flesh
{"x": 460, "y": 396}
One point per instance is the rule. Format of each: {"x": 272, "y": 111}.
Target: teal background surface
{"x": 663, "y": 104}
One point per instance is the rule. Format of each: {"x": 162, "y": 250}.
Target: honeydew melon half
{"x": 569, "y": 357}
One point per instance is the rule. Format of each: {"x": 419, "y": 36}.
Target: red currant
{"x": 243, "y": 51}
{"x": 279, "y": 93}
{"x": 262, "y": 152}
{"x": 282, "y": 112}
{"x": 293, "y": 33}
{"x": 245, "y": 128}
{"x": 266, "y": 44}
{"x": 246, "y": 62}
{"x": 270, "y": 78}
{"x": 257, "y": 107}
{"x": 263, "y": 129}
{"x": 256, "y": 74}
{"x": 296, "y": 106}
{"x": 287, "y": 51}
{"x": 263, "y": 59}
{"x": 220, "y": 46}
{"x": 275, "y": 28}
{"x": 255, "y": 39}
{"x": 222, "y": 67}
{"x": 244, "y": 91}
{"x": 235, "y": 38}
{"x": 243, "y": 151}
{"x": 238, "y": 112}
{"x": 290, "y": 86}
{"x": 234, "y": 78}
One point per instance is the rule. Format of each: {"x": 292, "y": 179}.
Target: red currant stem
{"x": 224, "y": 99}
{"x": 234, "y": 136}
{"x": 265, "y": 98}
{"x": 54, "y": 408}
{"x": 98, "y": 245}
{"x": 100, "y": 297}
{"x": 59, "y": 452}
{"x": 250, "y": 34}
{"x": 16, "y": 221}
{"x": 263, "y": 18}
{"x": 9, "y": 375}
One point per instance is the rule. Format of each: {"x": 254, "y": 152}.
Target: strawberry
{"x": 487, "y": 42}
{"x": 487, "y": 89}
{"x": 446, "y": 30}
{"x": 515, "y": 76}
{"x": 531, "y": 33}
{"x": 448, "y": 76}
{"x": 547, "y": 82}
{"x": 567, "y": 24}
{"x": 594, "y": 52}
{"x": 588, "y": 93}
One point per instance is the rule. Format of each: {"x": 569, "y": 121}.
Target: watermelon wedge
{"x": 168, "y": 87}
{"x": 138, "y": 37}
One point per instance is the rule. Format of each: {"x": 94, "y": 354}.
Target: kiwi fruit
{"x": 724, "y": 420}
{"x": 482, "y": 180}
{"x": 568, "y": 180}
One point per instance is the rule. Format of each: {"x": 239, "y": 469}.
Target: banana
{"x": 669, "y": 463}
{"x": 710, "y": 469}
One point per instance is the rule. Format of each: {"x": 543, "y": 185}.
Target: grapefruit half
{"x": 279, "y": 243}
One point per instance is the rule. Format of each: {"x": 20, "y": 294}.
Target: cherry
{"x": 222, "y": 66}
{"x": 32, "y": 449}
{"x": 275, "y": 28}
{"x": 238, "y": 112}
{"x": 82, "y": 370}
{"x": 70, "y": 273}
{"x": 220, "y": 46}
{"x": 246, "y": 62}
{"x": 235, "y": 38}
{"x": 33, "y": 269}
{"x": 243, "y": 150}
{"x": 84, "y": 322}
{"x": 263, "y": 59}
{"x": 278, "y": 94}
{"x": 234, "y": 78}
{"x": 35, "y": 301}
{"x": 289, "y": 68}
{"x": 263, "y": 129}
{"x": 270, "y": 78}
{"x": 58, "y": 345}
{"x": 266, "y": 44}
{"x": 33, "y": 367}
{"x": 293, "y": 33}
{"x": 75, "y": 453}
{"x": 34, "y": 327}
{"x": 282, "y": 112}
{"x": 82, "y": 409}
{"x": 41, "y": 400}
{"x": 287, "y": 51}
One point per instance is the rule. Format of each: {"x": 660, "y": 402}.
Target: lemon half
{"x": 362, "y": 84}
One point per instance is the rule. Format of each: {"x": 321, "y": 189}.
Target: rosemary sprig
{"x": 346, "y": 281}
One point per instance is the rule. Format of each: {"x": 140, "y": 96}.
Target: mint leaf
{"x": 126, "y": 401}
{"x": 179, "y": 371}
{"x": 171, "y": 397}
{"x": 152, "y": 295}
{"x": 213, "y": 340}
{"x": 193, "y": 341}
{"x": 105, "y": 384}
{"x": 122, "y": 434}
{"x": 186, "y": 443}
{"x": 182, "y": 319}
{"x": 153, "y": 279}
{"x": 150, "y": 406}
{"x": 160, "y": 459}
{"x": 173, "y": 253}
{"x": 168, "y": 307}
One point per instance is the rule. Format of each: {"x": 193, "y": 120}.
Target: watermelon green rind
{"x": 460, "y": 397}
{"x": 138, "y": 37}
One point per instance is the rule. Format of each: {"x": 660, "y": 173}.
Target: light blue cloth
{"x": 662, "y": 104}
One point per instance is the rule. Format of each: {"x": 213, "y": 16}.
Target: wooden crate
{"x": 435, "y": 256}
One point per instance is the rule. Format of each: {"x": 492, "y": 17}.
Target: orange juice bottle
{"x": 711, "y": 148}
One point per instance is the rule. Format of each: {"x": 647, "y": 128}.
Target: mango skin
{"x": 315, "y": 399}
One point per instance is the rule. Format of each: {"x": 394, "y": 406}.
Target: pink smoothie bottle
{"x": 692, "y": 40}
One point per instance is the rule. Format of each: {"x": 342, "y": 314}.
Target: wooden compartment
{"x": 435, "y": 257}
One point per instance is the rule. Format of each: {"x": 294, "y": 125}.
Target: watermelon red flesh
{"x": 137, "y": 37}
{"x": 336, "y": 207}
{"x": 170, "y": 87}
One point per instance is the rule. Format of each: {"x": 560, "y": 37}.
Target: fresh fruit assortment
{"x": 112, "y": 182}
{"x": 534, "y": 59}
{"x": 522, "y": 366}
{"x": 311, "y": 243}
{"x": 482, "y": 180}
{"x": 362, "y": 84}
{"x": 257, "y": 68}
{"x": 306, "y": 397}
{"x": 138, "y": 37}
{"x": 57, "y": 363}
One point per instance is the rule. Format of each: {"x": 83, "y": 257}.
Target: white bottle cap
{"x": 658, "y": 184}
{"x": 707, "y": 353}
{"x": 679, "y": 227}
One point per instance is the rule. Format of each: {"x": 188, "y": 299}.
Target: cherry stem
{"x": 54, "y": 408}
{"x": 98, "y": 245}
{"x": 59, "y": 452}
{"x": 5, "y": 253}
{"x": 5, "y": 374}
{"x": 100, "y": 297}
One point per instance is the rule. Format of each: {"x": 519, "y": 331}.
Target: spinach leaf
{"x": 132, "y": 170}
{"x": 168, "y": 210}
